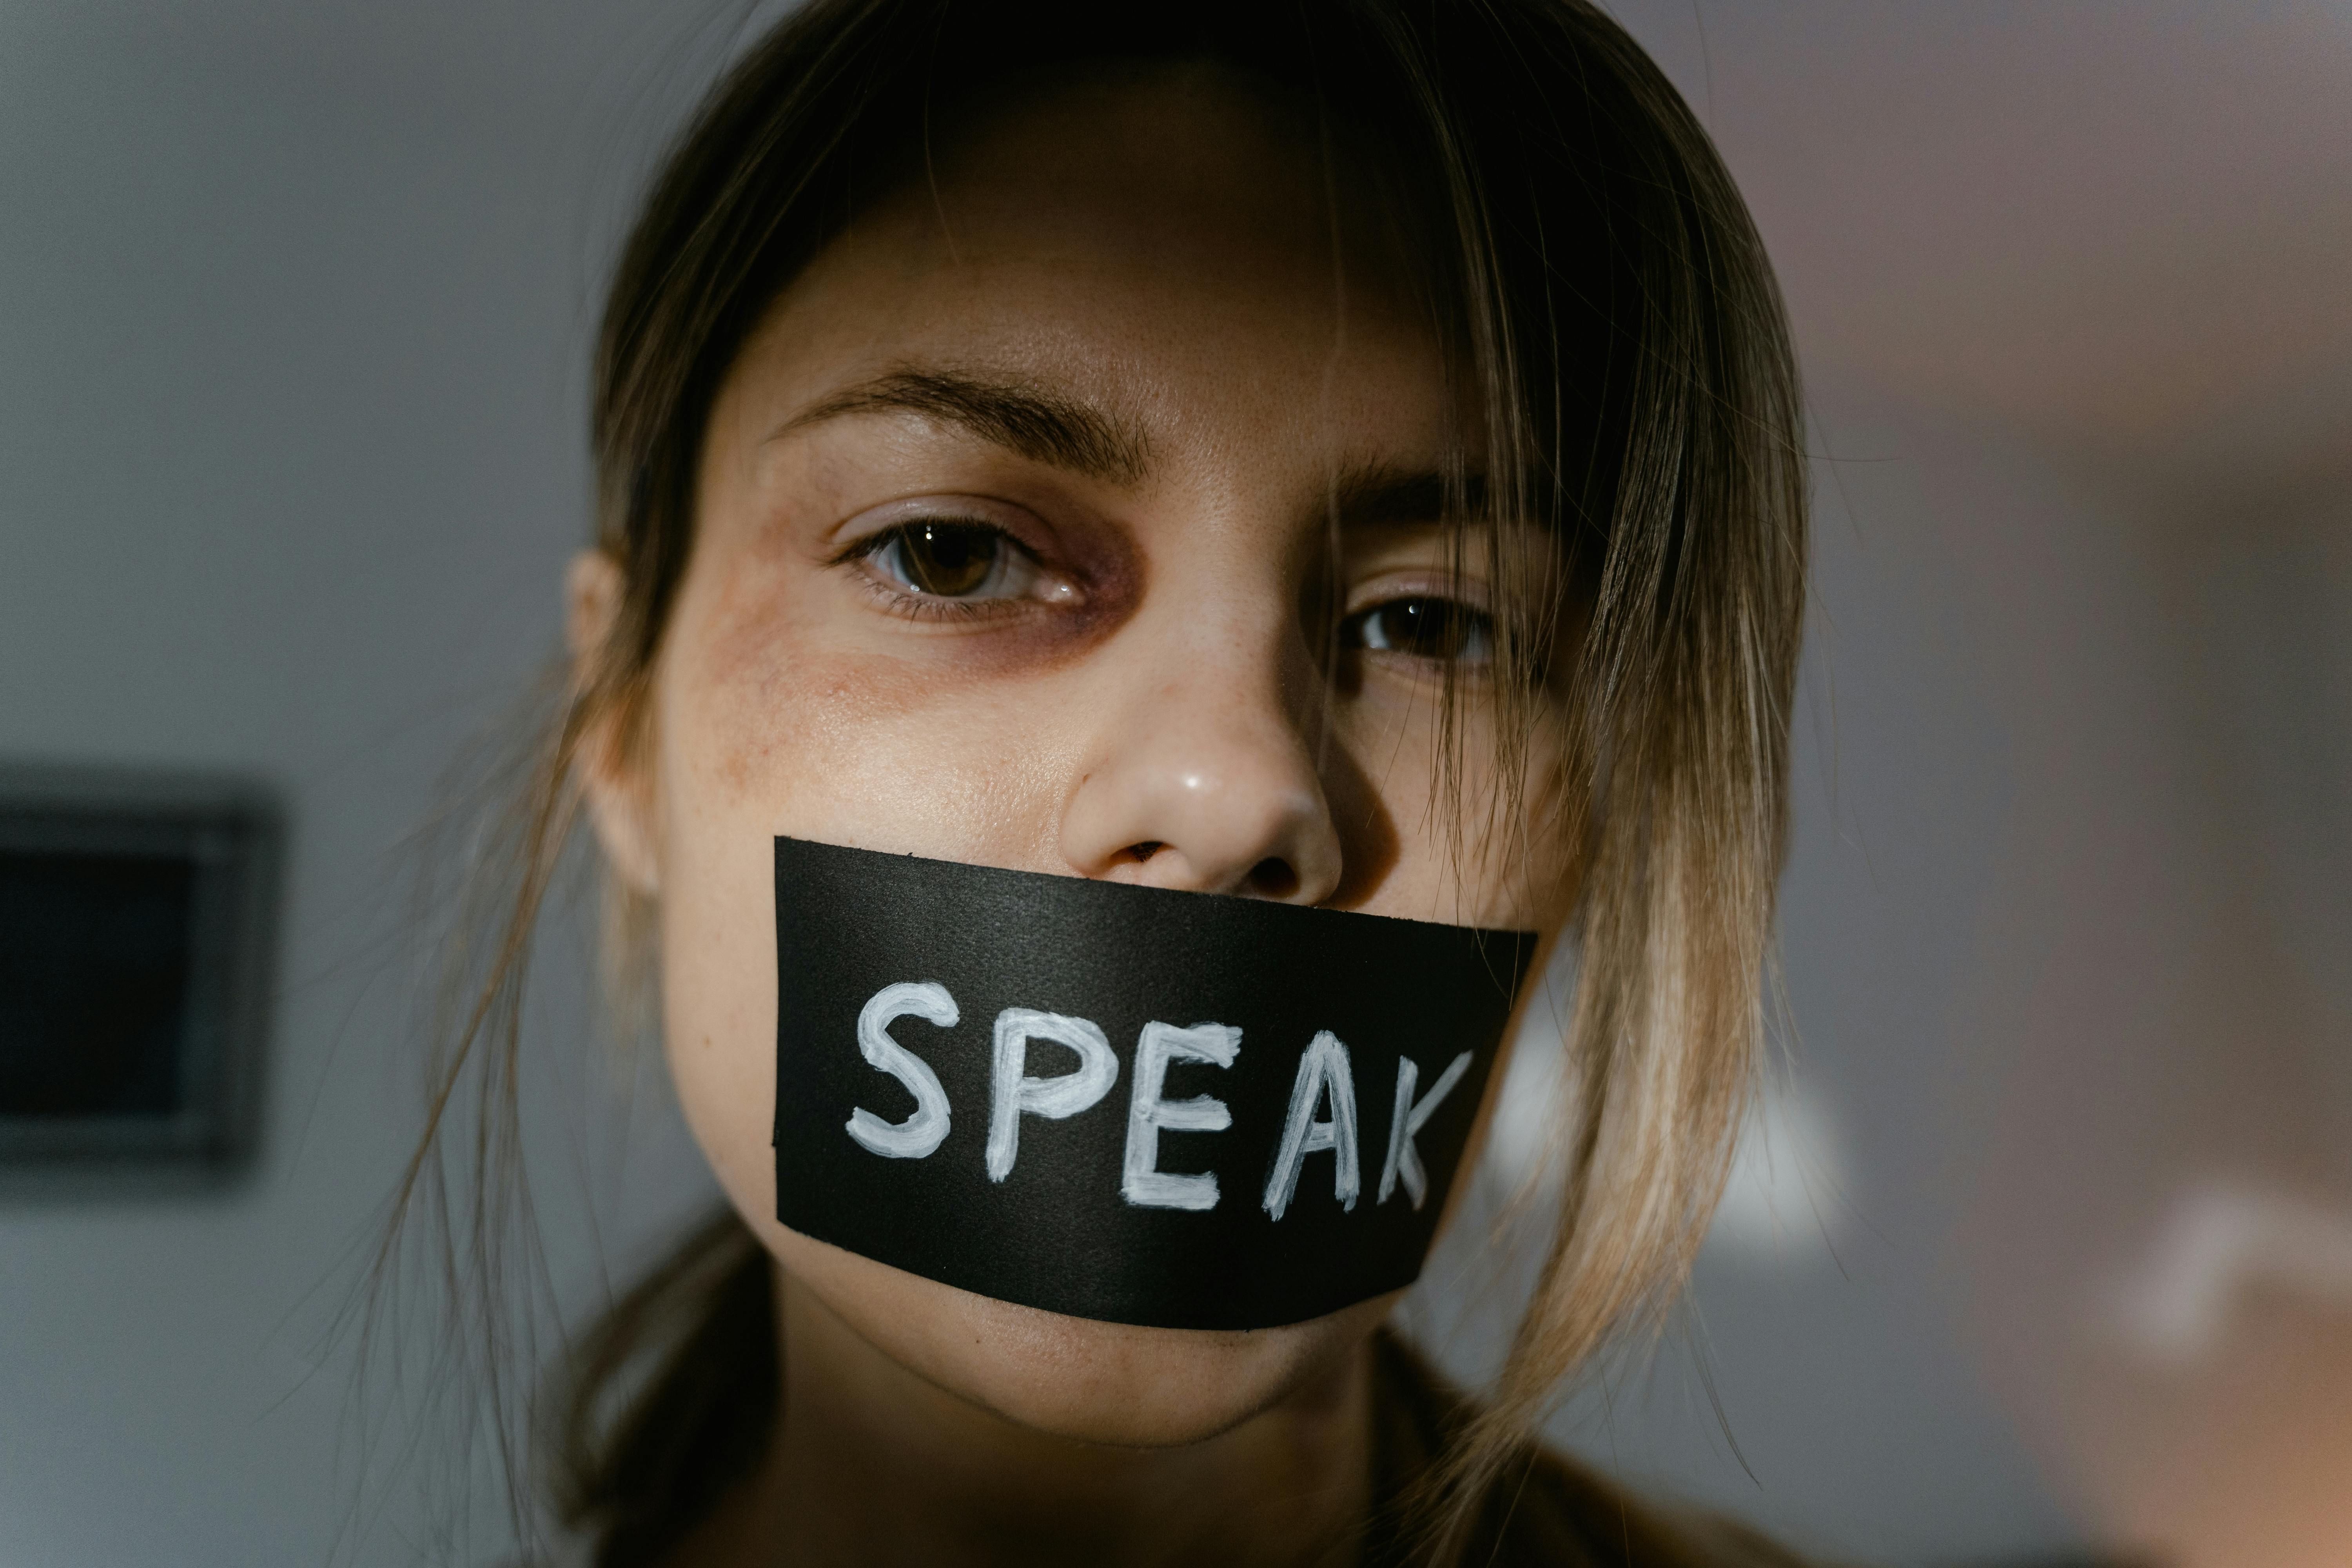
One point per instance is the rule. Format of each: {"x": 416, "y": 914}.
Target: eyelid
{"x": 1417, "y": 583}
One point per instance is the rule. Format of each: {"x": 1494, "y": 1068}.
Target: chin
{"x": 1117, "y": 1385}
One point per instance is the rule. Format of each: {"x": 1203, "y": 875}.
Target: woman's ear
{"x": 612, "y": 776}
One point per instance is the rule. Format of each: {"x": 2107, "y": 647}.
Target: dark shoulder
{"x": 1549, "y": 1509}
{"x": 1563, "y": 1513}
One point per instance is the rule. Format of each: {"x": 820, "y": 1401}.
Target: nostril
{"x": 1273, "y": 877}
{"x": 1139, "y": 853}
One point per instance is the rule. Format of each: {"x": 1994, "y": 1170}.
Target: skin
{"x": 1145, "y": 698}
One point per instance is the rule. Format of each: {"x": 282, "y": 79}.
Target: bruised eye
{"x": 1424, "y": 628}
{"x": 951, "y": 559}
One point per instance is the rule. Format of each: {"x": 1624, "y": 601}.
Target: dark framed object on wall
{"x": 137, "y": 923}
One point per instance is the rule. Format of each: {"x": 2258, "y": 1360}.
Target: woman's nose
{"x": 1203, "y": 778}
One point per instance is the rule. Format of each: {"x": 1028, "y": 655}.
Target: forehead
{"x": 1176, "y": 247}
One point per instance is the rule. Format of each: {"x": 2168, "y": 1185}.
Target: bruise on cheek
{"x": 772, "y": 711}
{"x": 767, "y": 691}
{"x": 896, "y": 744}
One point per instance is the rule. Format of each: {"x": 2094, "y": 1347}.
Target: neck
{"x": 873, "y": 1463}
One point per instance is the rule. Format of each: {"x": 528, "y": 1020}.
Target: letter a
{"x": 1322, "y": 1071}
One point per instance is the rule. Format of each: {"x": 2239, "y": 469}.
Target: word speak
{"x": 1321, "y": 1116}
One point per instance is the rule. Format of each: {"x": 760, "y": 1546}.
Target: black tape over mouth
{"x": 1125, "y": 1103}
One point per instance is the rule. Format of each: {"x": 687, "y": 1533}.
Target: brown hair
{"x": 1613, "y": 319}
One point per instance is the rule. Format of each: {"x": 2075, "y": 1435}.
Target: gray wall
{"x": 293, "y": 305}
{"x": 292, "y": 309}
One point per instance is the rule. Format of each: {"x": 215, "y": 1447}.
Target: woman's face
{"x": 1016, "y": 546}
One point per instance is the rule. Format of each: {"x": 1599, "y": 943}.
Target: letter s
{"x": 924, "y": 1130}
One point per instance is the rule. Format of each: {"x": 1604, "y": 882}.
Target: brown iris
{"x": 949, "y": 559}
{"x": 1428, "y": 627}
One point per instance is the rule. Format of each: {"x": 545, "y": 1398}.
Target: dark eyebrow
{"x": 1035, "y": 420}
{"x": 1370, "y": 496}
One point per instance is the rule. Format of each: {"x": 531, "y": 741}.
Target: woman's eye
{"x": 951, "y": 561}
{"x": 1425, "y": 627}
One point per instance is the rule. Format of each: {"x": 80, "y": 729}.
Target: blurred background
{"x": 2041, "y": 1248}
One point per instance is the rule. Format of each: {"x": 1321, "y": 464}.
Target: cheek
{"x": 777, "y": 721}
{"x": 1511, "y": 870}
{"x": 764, "y": 728}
